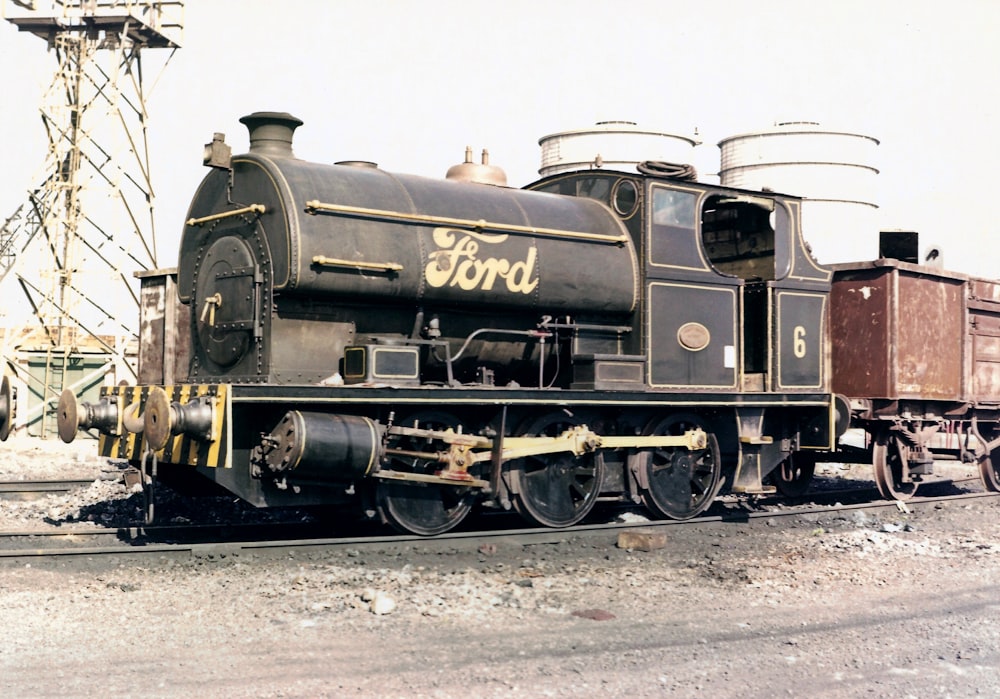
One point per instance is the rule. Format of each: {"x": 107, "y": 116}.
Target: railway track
{"x": 31, "y": 490}
{"x": 186, "y": 541}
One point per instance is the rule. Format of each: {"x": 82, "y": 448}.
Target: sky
{"x": 410, "y": 84}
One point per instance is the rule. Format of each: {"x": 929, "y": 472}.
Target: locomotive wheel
{"x": 6, "y": 409}
{"x": 680, "y": 483}
{"x": 793, "y": 475}
{"x": 560, "y": 489}
{"x": 424, "y": 509}
{"x": 887, "y": 464}
{"x": 988, "y": 471}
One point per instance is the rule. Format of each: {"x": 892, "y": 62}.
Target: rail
{"x": 27, "y": 490}
{"x": 18, "y": 547}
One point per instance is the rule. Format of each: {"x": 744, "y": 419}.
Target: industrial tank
{"x": 614, "y": 145}
{"x": 834, "y": 170}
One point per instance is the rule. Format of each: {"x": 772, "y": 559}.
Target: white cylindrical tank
{"x": 836, "y": 171}
{"x": 612, "y": 145}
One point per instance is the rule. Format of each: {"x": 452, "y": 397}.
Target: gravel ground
{"x": 891, "y": 604}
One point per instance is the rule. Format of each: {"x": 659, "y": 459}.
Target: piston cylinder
{"x": 321, "y": 447}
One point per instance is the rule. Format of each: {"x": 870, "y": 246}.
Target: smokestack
{"x": 271, "y": 133}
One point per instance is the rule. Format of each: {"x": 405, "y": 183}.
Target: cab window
{"x": 738, "y": 236}
{"x": 591, "y": 187}
{"x": 672, "y": 234}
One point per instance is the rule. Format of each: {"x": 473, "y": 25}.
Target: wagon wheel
{"x": 989, "y": 471}
{"x": 793, "y": 475}
{"x": 7, "y": 409}
{"x": 888, "y": 466}
{"x": 425, "y": 509}
{"x": 680, "y": 483}
{"x": 555, "y": 490}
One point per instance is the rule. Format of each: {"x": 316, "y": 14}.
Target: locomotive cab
{"x": 732, "y": 298}
{"x": 733, "y": 306}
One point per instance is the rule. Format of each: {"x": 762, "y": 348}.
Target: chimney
{"x": 271, "y": 133}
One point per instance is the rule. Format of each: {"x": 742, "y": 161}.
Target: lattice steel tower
{"x": 74, "y": 245}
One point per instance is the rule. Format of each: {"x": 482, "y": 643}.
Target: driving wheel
{"x": 559, "y": 489}
{"x": 414, "y": 507}
{"x": 680, "y": 483}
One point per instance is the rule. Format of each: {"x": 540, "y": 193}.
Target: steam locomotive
{"x": 340, "y": 336}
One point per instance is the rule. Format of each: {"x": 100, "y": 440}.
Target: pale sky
{"x": 411, "y": 84}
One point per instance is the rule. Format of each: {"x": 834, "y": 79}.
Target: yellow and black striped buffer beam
{"x": 215, "y": 452}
